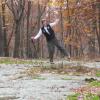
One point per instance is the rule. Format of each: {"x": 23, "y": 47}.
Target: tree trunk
{"x": 69, "y": 29}
{"x": 61, "y": 23}
{"x": 28, "y": 33}
{"x": 17, "y": 40}
{"x": 98, "y": 22}
{"x": 1, "y": 38}
{"x": 38, "y": 42}
{"x": 6, "y": 51}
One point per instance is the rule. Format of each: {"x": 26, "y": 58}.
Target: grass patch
{"x": 9, "y": 60}
{"x": 39, "y": 78}
{"x": 90, "y": 92}
{"x": 14, "y": 61}
{"x": 98, "y": 73}
{"x": 91, "y": 97}
{"x": 83, "y": 97}
{"x": 64, "y": 78}
{"x": 95, "y": 83}
{"x": 72, "y": 97}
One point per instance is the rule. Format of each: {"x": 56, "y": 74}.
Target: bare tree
{"x": 28, "y": 32}
{"x": 1, "y": 37}
{"x": 6, "y": 51}
{"x": 98, "y": 22}
{"x": 17, "y": 9}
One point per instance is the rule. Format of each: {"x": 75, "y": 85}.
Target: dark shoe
{"x": 52, "y": 63}
{"x": 69, "y": 58}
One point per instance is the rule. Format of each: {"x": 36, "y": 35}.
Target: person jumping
{"x": 51, "y": 39}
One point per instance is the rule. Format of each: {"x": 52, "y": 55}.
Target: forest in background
{"x": 78, "y": 30}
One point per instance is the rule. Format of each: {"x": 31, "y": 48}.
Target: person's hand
{"x": 32, "y": 39}
{"x": 56, "y": 14}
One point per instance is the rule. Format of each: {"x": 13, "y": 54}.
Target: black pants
{"x": 51, "y": 48}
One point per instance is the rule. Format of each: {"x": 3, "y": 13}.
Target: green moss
{"x": 95, "y": 83}
{"x": 64, "y": 78}
{"x": 91, "y": 97}
{"x": 98, "y": 73}
{"x": 15, "y": 61}
{"x": 39, "y": 78}
{"x": 72, "y": 97}
{"x": 85, "y": 97}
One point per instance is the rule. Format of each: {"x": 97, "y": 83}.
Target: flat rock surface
{"x": 15, "y": 85}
